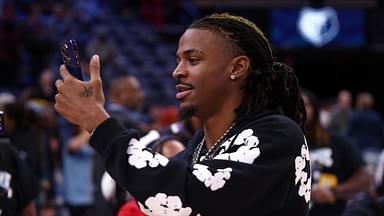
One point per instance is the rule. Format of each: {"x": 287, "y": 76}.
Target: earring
{"x": 232, "y": 77}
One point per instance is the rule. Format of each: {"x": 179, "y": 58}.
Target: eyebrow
{"x": 190, "y": 51}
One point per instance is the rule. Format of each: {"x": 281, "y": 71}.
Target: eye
{"x": 193, "y": 60}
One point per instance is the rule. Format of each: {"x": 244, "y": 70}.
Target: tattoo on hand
{"x": 88, "y": 92}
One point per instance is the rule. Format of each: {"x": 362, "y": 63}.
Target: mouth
{"x": 183, "y": 90}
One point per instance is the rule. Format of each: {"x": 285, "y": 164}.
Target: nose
{"x": 179, "y": 71}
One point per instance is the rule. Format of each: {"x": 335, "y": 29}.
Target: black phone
{"x": 70, "y": 54}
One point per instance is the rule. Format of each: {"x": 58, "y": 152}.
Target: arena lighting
{"x": 318, "y": 26}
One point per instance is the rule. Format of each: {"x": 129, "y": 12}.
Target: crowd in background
{"x": 136, "y": 62}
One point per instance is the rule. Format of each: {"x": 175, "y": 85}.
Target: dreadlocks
{"x": 269, "y": 83}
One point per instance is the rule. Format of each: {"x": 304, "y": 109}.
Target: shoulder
{"x": 270, "y": 136}
{"x": 277, "y": 126}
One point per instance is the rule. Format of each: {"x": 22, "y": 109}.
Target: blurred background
{"x": 139, "y": 37}
{"x": 333, "y": 45}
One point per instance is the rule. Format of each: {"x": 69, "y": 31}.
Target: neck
{"x": 221, "y": 116}
{"x": 215, "y": 127}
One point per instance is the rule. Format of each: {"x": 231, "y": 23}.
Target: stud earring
{"x": 232, "y": 77}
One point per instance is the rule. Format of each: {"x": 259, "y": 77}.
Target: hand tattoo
{"x": 88, "y": 92}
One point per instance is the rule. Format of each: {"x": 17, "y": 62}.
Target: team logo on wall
{"x": 318, "y": 26}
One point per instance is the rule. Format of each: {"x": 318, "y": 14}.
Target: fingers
{"x": 94, "y": 66}
{"x": 59, "y": 84}
{"x": 64, "y": 72}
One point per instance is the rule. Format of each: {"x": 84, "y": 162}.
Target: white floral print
{"x": 301, "y": 175}
{"x": 163, "y": 205}
{"x": 248, "y": 149}
{"x": 139, "y": 157}
{"x": 212, "y": 181}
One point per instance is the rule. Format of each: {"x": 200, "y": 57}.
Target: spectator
{"x": 18, "y": 185}
{"x": 339, "y": 172}
{"x": 366, "y": 129}
{"x": 341, "y": 113}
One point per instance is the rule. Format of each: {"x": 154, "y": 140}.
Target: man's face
{"x": 132, "y": 94}
{"x": 203, "y": 71}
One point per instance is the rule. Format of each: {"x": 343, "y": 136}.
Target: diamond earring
{"x": 232, "y": 77}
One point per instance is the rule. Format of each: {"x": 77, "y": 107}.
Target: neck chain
{"x": 209, "y": 154}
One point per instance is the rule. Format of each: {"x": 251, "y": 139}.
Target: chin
{"x": 186, "y": 111}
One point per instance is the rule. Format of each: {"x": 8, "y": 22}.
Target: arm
{"x": 77, "y": 142}
{"x": 358, "y": 182}
{"x": 153, "y": 179}
{"x": 173, "y": 187}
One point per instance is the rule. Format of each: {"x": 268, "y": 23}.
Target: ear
{"x": 239, "y": 66}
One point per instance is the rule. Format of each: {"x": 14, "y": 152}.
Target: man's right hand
{"x": 81, "y": 102}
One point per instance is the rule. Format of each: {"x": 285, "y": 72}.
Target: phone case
{"x": 70, "y": 54}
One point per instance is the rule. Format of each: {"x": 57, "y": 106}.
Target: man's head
{"x": 127, "y": 91}
{"x": 344, "y": 100}
{"x": 225, "y": 61}
{"x": 364, "y": 101}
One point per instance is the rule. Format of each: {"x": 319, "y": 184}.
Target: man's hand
{"x": 81, "y": 102}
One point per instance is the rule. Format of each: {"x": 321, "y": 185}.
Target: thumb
{"x": 94, "y": 66}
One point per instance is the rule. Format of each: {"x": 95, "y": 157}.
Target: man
{"x": 250, "y": 158}
{"x": 126, "y": 100}
{"x": 341, "y": 113}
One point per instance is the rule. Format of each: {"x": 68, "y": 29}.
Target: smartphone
{"x": 70, "y": 54}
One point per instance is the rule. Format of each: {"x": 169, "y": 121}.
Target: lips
{"x": 183, "y": 90}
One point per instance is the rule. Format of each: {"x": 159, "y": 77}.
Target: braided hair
{"x": 269, "y": 83}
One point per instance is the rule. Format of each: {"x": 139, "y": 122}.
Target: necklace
{"x": 209, "y": 154}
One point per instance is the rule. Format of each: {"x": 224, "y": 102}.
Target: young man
{"x": 250, "y": 158}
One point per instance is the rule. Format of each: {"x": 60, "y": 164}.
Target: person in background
{"x": 250, "y": 158}
{"x": 19, "y": 187}
{"x": 126, "y": 98}
{"x": 125, "y": 101}
{"x": 366, "y": 129}
{"x": 339, "y": 173}
{"x": 371, "y": 206}
{"x": 341, "y": 113}
{"x": 170, "y": 140}
{"x": 78, "y": 179}
{"x": 19, "y": 129}
{"x": 365, "y": 207}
